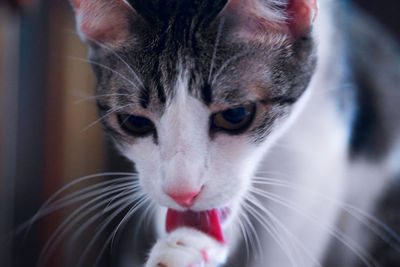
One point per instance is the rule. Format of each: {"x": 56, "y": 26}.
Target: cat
{"x": 261, "y": 116}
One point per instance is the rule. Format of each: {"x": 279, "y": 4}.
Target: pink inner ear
{"x": 259, "y": 19}
{"x": 76, "y": 3}
{"x": 103, "y": 20}
{"x": 302, "y": 14}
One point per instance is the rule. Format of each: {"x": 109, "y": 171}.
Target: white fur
{"x": 183, "y": 247}
{"x": 268, "y": 10}
{"x": 312, "y": 155}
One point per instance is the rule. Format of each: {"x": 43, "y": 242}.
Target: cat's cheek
{"x": 143, "y": 153}
{"x": 232, "y": 163}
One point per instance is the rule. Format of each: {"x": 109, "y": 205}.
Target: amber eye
{"x": 135, "y": 125}
{"x": 234, "y": 119}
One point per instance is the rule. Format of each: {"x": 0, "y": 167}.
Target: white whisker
{"x": 146, "y": 213}
{"x": 122, "y": 60}
{"x": 89, "y": 98}
{"x": 272, "y": 231}
{"x": 72, "y": 219}
{"x": 119, "y": 195}
{"x": 137, "y": 206}
{"x": 129, "y": 195}
{"x": 112, "y": 111}
{"x": 220, "y": 26}
{"x": 228, "y": 62}
{"x": 299, "y": 244}
{"x": 104, "y": 67}
{"x": 254, "y": 236}
{"x": 79, "y": 196}
{"x": 245, "y": 236}
{"x": 350, "y": 209}
{"x": 28, "y": 224}
{"x": 129, "y": 201}
{"x": 124, "y": 221}
{"x": 365, "y": 257}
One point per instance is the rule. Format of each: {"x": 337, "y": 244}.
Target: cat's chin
{"x": 208, "y": 221}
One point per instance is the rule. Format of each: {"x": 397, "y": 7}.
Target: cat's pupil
{"x": 139, "y": 122}
{"x": 235, "y": 115}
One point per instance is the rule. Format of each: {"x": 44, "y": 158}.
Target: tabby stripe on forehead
{"x": 206, "y": 94}
{"x": 280, "y": 100}
{"x": 161, "y": 93}
{"x": 144, "y": 97}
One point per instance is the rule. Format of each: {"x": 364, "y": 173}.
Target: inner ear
{"x": 301, "y": 15}
{"x": 106, "y": 21}
{"x": 256, "y": 19}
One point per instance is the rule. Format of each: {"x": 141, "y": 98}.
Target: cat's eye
{"x": 135, "y": 125}
{"x": 235, "y": 119}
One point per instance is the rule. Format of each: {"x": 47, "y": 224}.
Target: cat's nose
{"x": 184, "y": 199}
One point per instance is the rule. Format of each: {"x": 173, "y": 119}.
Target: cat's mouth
{"x": 209, "y": 221}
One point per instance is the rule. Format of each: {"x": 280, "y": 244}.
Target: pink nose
{"x": 185, "y": 199}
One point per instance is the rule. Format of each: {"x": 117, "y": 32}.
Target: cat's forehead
{"x": 220, "y": 68}
{"x": 216, "y": 70}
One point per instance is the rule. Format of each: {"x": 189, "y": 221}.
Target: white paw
{"x": 186, "y": 247}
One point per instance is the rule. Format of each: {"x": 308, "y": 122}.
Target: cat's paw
{"x": 187, "y": 247}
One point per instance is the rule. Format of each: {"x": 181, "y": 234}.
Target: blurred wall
{"x": 42, "y": 138}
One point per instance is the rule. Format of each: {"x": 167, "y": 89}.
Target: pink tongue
{"x": 206, "y": 221}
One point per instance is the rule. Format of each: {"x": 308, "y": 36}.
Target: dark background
{"x": 42, "y": 146}
{"x": 387, "y": 12}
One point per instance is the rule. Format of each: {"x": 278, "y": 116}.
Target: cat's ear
{"x": 301, "y": 15}
{"x": 105, "y": 21}
{"x": 255, "y": 18}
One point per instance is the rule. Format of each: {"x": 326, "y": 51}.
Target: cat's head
{"x": 194, "y": 92}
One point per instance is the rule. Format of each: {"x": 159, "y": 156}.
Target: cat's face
{"x": 194, "y": 96}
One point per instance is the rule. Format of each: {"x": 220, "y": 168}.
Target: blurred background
{"x": 45, "y": 108}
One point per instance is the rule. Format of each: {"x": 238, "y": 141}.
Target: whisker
{"x": 146, "y": 214}
{"x": 350, "y": 209}
{"x": 287, "y": 239}
{"x": 123, "y": 222}
{"x": 28, "y": 224}
{"x": 100, "y": 230}
{"x": 120, "y": 58}
{"x": 89, "y": 98}
{"x": 129, "y": 201}
{"x": 254, "y": 234}
{"x": 245, "y": 237}
{"x": 275, "y": 173}
{"x": 104, "y": 67}
{"x": 257, "y": 204}
{"x": 228, "y": 62}
{"x": 131, "y": 194}
{"x": 72, "y": 219}
{"x": 389, "y": 231}
{"x": 365, "y": 257}
{"x": 118, "y": 196}
{"x": 77, "y": 196}
{"x": 272, "y": 231}
{"x": 137, "y": 206}
{"x": 112, "y": 111}
{"x": 220, "y": 26}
